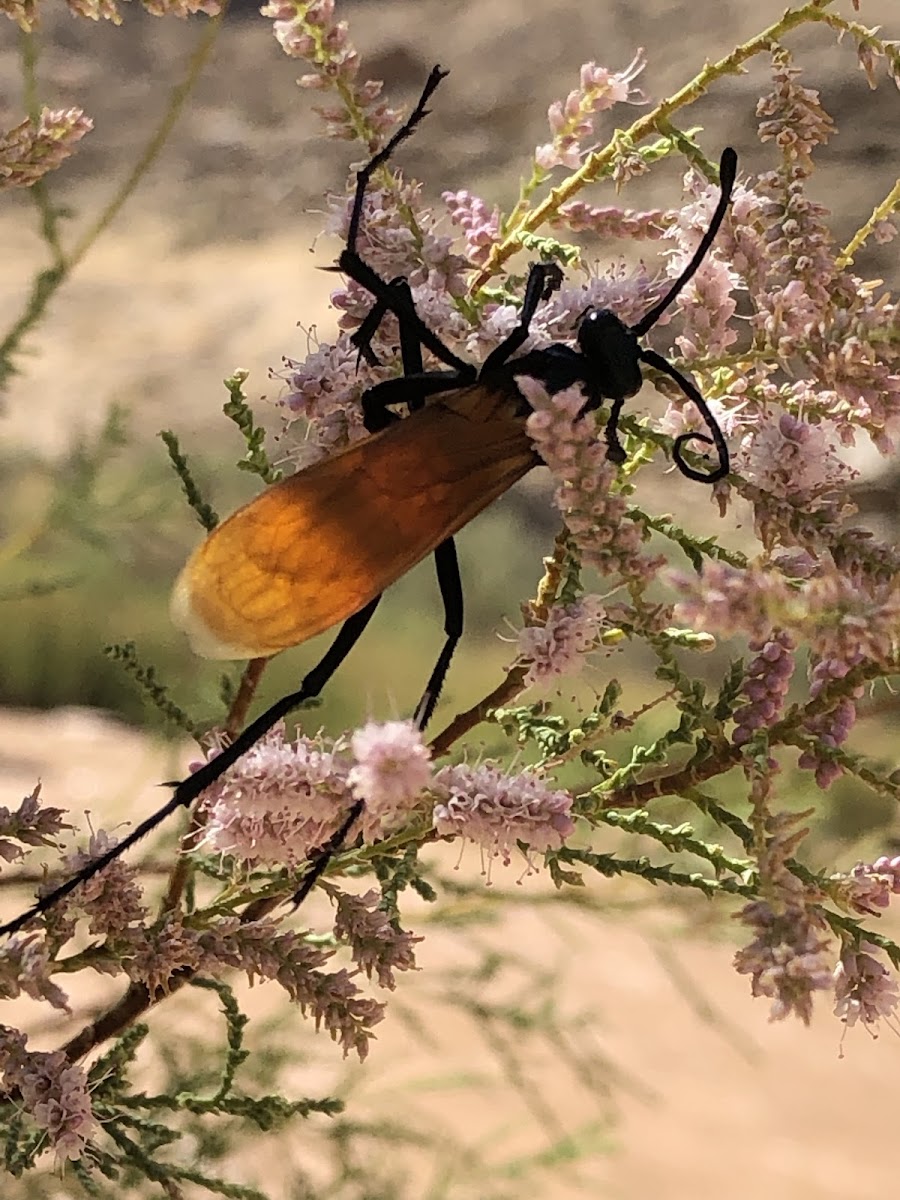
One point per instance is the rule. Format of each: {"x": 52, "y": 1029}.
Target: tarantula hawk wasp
{"x": 322, "y": 546}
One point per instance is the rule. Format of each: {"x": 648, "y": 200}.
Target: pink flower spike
{"x": 53, "y": 1090}
{"x": 279, "y": 801}
{"x": 864, "y": 989}
{"x": 572, "y": 121}
{"x": 559, "y": 646}
{"x": 488, "y": 806}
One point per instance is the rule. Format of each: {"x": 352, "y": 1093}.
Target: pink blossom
{"x": 797, "y": 123}
{"x": 486, "y": 805}
{"x": 830, "y": 729}
{"x": 111, "y": 898}
{"x": 569, "y": 446}
{"x": 789, "y": 958}
{"x": 309, "y": 31}
{"x": 868, "y": 887}
{"x": 393, "y": 768}
{"x": 378, "y": 944}
{"x": 393, "y": 245}
{"x": 766, "y": 685}
{"x": 726, "y": 600}
{"x": 279, "y": 801}
{"x": 796, "y": 461}
{"x": 264, "y": 951}
{"x": 612, "y": 222}
{"x": 864, "y": 989}
{"x": 54, "y": 1092}
{"x": 559, "y": 645}
{"x": 479, "y": 223}
{"x": 162, "y": 952}
{"x": 26, "y": 967}
{"x": 572, "y": 121}
{"x": 31, "y": 824}
{"x": 628, "y": 291}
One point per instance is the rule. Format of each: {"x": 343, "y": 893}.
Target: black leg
{"x": 387, "y": 296}
{"x": 543, "y": 279}
{"x": 450, "y": 583}
{"x": 401, "y": 306}
{"x": 187, "y": 791}
{"x": 362, "y": 337}
{"x": 320, "y": 858}
{"x": 415, "y": 384}
{"x": 614, "y": 450}
{"x": 364, "y": 176}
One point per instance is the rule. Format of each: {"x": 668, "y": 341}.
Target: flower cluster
{"x": 789, "y": 958}
{"x": 610, "y": 221}
{"x": 838, "y": 617}
{"x": 309, "y": 31}
{"x": 280, "y": 800}
{"x": 595, "y": 515}
{"x": 486, "y": 805}
{"x": 26, "y": 13}
{"x": 31, "y": 824}
{"x": 54, "y": 1093}
{"x": 392, "y": 769}
{"x": 558, "y": 646}
{"x": 830, "y": 729}
{"x": 479, "y": 224}
{"x": 571, "y": 121}
{"x": 796, "y": 121}
{"x": 332, "y": 999}
{"x": 377, "y": 943}
{"x": 767, "y": 683}
{"x": 864, "y": 989}
{"x": 868, "y": 888}
{"x": 797, "y": 462}
{"x": 29, "y": 151}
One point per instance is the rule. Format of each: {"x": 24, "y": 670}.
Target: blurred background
{"x": 214, "y": 264}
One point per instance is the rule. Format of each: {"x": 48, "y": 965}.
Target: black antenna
{"x": 727, "y": 173}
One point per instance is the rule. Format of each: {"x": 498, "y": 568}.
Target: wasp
{"x": 322, "y": 546}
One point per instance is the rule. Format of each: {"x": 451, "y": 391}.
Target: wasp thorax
{"x": 612, "y": 351}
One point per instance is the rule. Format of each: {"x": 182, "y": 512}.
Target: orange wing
{"x": 314, "y": 549}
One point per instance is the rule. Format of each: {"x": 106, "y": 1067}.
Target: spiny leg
{"x": 543, "y": 280}
{"x": 388, "y": 298}
{"x": 364, "y": 175}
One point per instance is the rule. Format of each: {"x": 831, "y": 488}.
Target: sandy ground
{"x": 699, "y": 1094}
